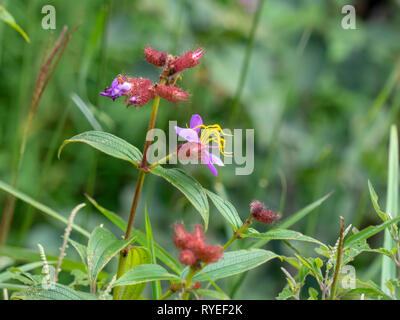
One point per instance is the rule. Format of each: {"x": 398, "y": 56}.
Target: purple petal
{"x": 187, "y": 134}
{"x": 196, "y": 121}
{"x": 216, "y": 160}
{"x": 213, "y": 169}
{"x": 117, "y": 89}
{"x": 208, "y": 160}
{"x": 134, "y": 100}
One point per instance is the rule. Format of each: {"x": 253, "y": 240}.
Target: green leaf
{"x": 6, "y": 275}
{"x": 285, "y": 294}
{"x": 81, "y": 249}
{"x": 9, "y": 19}
{"x": 41, "y": 207}
{"x": 226, "y": 208}
{"x": 136, "y": 256}
{"x": 213, "y": 294}
{"x": 161, "y": 253}
{"x": 368, "y": 232}
{"x": 86, "y": 112}
{"x": 312, "y": 266}
{"x": 156, "y": 285}
{"x": 144, "y": 273}
{"x": 113, "y": 217}
{"x": 108, "y": 144}
{"x": 280, "y": 234}
{"x": 235, "y": 262}
{"x": 22, "y": 276}
{"x": 313, "y": 294}
{"x": 56, "y": 292}
{"x": 27, "y": 255}
{"x": 102, "y": 247}
{"x": 374, "y": 199}
{"x": 388, "y": 266}
{"x": 192, "y": 189}
{"x": 369, "y": 289}
{"x": 13, "y": 286}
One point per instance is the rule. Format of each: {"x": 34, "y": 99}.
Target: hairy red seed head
{"x": 187, "y": 60}
{"x": 193, "y": 246}
{"x": 155, "y": 57}
{"x": 141, "y": 91}
{"x": 172, "y": 94}
{"x": 210, "y": 254}
{"x": 261, "y": 214}
{"x": 180, "y": 236}
{"x": 187, "y": 257}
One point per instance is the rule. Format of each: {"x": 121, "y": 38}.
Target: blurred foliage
{"x": 320, "y": 98}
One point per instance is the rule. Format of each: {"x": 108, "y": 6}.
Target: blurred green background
{"x": 320, "y": 98}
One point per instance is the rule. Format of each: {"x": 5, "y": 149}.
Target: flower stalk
{"x": 188, "y": 282}
{"x": 237, "y": 235}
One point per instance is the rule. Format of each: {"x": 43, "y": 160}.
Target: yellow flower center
{"x": 120, "y": 79}
{"x": 214, "y": 133}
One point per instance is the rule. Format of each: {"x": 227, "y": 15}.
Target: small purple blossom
{"x": 119, "y": 87}
{"x": 199, "y": 145}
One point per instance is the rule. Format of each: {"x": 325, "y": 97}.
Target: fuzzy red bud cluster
{"x": 193, "y": 246}
{"x": 173, "y": 65}
{"x": 139, "y": 91}
{"x": 261, "y": 214}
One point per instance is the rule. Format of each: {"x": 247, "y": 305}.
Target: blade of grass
{"x": 41, "y": 207}
{"x": 246, "y": 63}
{"x": 156, "y": 285}
{"x": 388, "y": 266}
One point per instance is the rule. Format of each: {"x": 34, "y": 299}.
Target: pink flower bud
{"x": 172, "y": 94}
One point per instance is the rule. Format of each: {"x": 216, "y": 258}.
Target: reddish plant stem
{"x": 143, "y": 169}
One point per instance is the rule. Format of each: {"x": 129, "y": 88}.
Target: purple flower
{"x": 119, "y": 87}
{"x": 198, "y": 145}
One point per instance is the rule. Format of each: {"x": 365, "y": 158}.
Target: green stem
{"x": 188, "y": 283}
{"x": 338, "y": 260}
{"x": 238, "y": 232}
{"x": 167, "y": 295}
